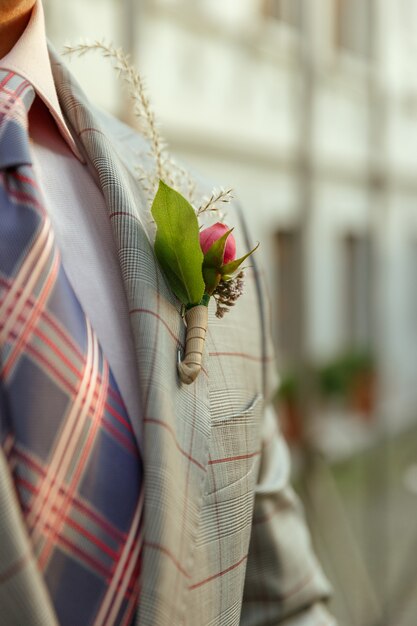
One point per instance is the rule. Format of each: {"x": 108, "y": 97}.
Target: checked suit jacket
{"x": 224, "y": 538}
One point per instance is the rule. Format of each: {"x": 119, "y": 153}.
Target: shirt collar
{"x": 29, "y": 57}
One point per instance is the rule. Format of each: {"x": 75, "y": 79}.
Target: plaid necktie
{"x": 64, "y": 427}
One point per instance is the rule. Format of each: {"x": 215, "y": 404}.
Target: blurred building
{"x": 310, "y": 114}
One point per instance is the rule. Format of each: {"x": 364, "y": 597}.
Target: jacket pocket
{"x": 235, "y": 441}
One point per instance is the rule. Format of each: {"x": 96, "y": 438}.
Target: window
{"x": 353, "y": 20}
{"x": 358, "y": 291}
{"x": 288, "y": 258}
{"x": 289, "y": 11}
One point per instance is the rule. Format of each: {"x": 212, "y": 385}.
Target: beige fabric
{"x": 213, "y": 454}
{"x": 189, "y": 367}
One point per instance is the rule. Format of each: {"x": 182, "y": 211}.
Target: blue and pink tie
{"x": 64, "y": 427}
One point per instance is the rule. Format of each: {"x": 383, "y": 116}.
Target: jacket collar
{"x": 29, "y": 58}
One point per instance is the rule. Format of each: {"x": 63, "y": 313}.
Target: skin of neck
{"x": 14, "y": 17}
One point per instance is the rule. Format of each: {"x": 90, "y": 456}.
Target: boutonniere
{"x": 199, "y": 262}
{"x": 198, "y": 265}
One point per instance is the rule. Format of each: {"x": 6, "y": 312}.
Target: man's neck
{"x": 14, "y": 18}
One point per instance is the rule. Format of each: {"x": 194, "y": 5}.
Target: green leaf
{"x": 215, "y": 254}
{"x": 177, "y": 244}
{"x": 212, "y": 278}
{"x": 230, "y": 268}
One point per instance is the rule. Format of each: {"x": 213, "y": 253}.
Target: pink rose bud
{"x": 211, "y": 234}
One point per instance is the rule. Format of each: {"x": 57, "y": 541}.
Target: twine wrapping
{"x": 197, "y": 320}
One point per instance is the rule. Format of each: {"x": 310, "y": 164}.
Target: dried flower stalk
{"x": 166, "y": 168}
{"x": 136, "y": 88}
{"x": 216, "y": 197}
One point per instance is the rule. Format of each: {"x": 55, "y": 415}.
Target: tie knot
{"x": 16, "y": 97}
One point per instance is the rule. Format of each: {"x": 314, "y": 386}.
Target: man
{"x": 126, "y": 497}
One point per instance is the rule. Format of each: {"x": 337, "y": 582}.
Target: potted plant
{"x": 362, "y": 384}
{"x": 350, "y": 380}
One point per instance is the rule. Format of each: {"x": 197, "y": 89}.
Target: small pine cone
{"x": 227, "y": 293}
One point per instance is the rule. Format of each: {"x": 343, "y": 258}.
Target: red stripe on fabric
{"x": 70, "y": 522}
{"x": 159, "y": 548}
{"x": 42, "y": 359}
{"x": 23, "y": 87}
{"x": 96, "y": 422}
{"x": 88, "y": 444}
{"x": 29, "y": 461}
{"x": 36, "y": 312}
{"x": 24, "y": 197}
{"x": 53, "y": 346}
{"x": 47, "y": 317}
{"x": 126, "y": 214}
{"x": 100, "y": 521}
{"x": 115, "y": 395}
{"x": 115, "y": 413}
{"x": 225, "y": 571}
{"x": 152, "y": 420}
{"x": 71, "y": 388}
{"x": 15, "y": 94}
{"x": 134, "y": 602}
{"x": 95, "y": 517}
{"x": 29, "y": 303}
{"x": 185, "y": 511}
{"x": 241, "y": 457}
{"x": 112, "y": 605}
{"x": 6, "y": 79}
{"x": 124, "y": 441}
{"x": 218, "y": 525}
{"x": 66, "y": 339}
{"x": 49, "y": 366}
{"x": 24, "y": 179}
{"x": 15, "y": 568}
{"x": 159, "y": 318}
{"x": 114, "y": 597}
{"x": 243, "y": 355}
{"x": 135, "y": 544}
{"x": 104, "y": 571}
{"x": 118, "y": 417}
{"x": 61, "y": 332}
{"x": 74, "y": 426}
{"x": 26, "y": 484}
{"x": 92, "y": 538}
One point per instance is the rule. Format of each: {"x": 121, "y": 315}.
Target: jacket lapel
{"x": 174, "y": 428}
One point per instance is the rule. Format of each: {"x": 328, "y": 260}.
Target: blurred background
{"x": 310, "y": 114}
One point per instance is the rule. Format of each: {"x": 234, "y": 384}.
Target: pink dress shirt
{"x": 77, "y": 210}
